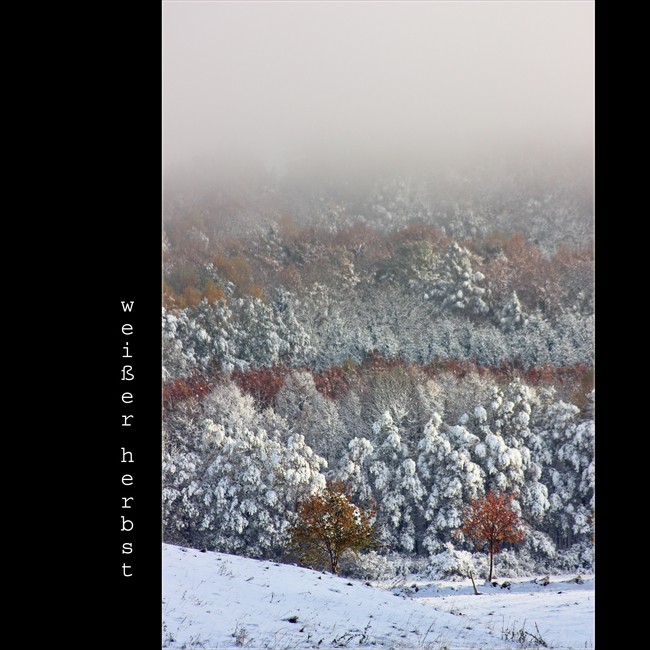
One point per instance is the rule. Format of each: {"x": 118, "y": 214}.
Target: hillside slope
{"x": 213, "y": 600}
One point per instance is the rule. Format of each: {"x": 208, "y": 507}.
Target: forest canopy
{"x": 425, "y": 338}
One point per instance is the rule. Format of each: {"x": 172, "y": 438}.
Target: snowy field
{"x": 214, "y": 600}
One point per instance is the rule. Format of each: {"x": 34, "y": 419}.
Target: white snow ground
{"x": 214, "y": 600}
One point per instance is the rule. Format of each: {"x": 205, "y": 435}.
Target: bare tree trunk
{"x": 471, "y": 575}
{"x": 333, "y": 560}
{"x": 491, "y": 560}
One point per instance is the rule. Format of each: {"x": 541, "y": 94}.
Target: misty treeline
{"x": 546, "y": 196}
{"x": 425, "y": 340}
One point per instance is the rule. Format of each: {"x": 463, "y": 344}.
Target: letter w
{"x": 127, "y": 306}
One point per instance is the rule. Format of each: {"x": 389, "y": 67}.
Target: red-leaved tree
{"x": 492, "y": 520}
{"x": 263, "y": 384}
{"x": 327, "y": 524}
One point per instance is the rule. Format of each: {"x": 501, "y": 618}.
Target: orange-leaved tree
{"x": 327, "y": 524}
{"x": 492, "y": 520}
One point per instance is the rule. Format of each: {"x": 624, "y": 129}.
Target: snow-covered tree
{"x": 454, "y": 285}
{"x": 504, "y": 452}
{"x": 227, "y": 406}
{"x": 512, "y": 315}
{"x": 501, "y": 452}
{"x": 455, "y": 395}
{"x": 200, "y": 337}
{"x": 450, "y": 564}
{"x": 350, "y": 407}
{"x": 188, "y": 442}
{"x": 533, "y": 342}
{"x": 513, "y": 419}
{"x": 176, "y": 364}
{"x": 232, "y": 473}
{"x": 488, "y": 345}
{"x": 353, "y": 470}
{"x": 332, "y": 326}
{"x": 574, "y": 339}
{"x": 405, "y": 394}
{"x": 259, "y": 333}
{"x": 233, "y": 335}
{"x": 395, "y": 485}
{"x": 449, "y": 477}
{"x": 449, "y": 338}
{"x": 270, "y": 331}
{"x": 381, "y": 469}
{"x": 182, "y": 496}
{"x": 249, "y": 488}
{"x": 311, "y": 414}
{"x": 566, "y": 452}
{"x": 297, "y": 338}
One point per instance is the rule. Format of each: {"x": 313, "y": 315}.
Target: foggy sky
{"x": 354, "y": 78}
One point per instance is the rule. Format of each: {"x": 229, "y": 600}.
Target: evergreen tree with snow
{"x": 353, "y": 468}
{"x": 566, "y": 451}
{"x": 488, "y": 345}
{"x": 504, "y": 452}
{"x": 176, "y": 363}
{"x": 512, "y": 316}
{"x": 455, "y": 286}
{"x": 259, "y": 332}
{"x": 202, "y": 337}
{"x": 232, "y": 474}
{"x": 449, "y": 337}
{"x": 310, "y": 414}
{"x": 395, "y": 485}
{"x": 499, "y": 452}
{"x": 382, "y": 470}
{"x": 297, "y": 339}
{"x": 249, "y": 488}
{"x": 233, "y": 335}
{"x": 574, "y": 339}
{"x": 449, "y": 477}
{"x": 533, "y": 342}
{"x": 188, "y": 441}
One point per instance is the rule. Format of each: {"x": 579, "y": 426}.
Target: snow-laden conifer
{"x": 512, "y": 316}
{"x": 309, "y": 413}
{"x": 251, "y": 485}
{"x": 455, "y": 286}
{"x": 449, "y": 478}
{"x": 502, "y": 426}
{"x": 395, "y": 485}
{"x": 534, "y": 342}
{"x": 203, "y": 336}
{"x": 352, "y": 468}
{"x": 188, "y": 442}
{"x": 231, "y": 474}
{"x": 567, "y": 456}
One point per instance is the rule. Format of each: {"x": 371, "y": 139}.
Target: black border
{"x": 127, "y": 610}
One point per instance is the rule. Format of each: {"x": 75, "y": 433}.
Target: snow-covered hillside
{"x": 214, "y": 600}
